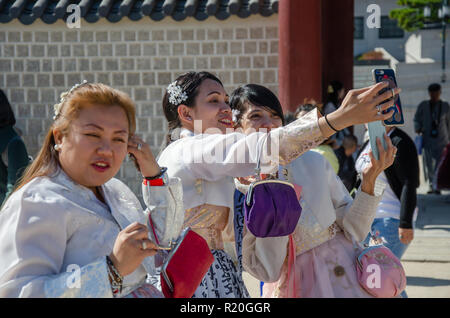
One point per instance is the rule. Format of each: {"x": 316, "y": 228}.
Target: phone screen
{"x": 387, "y": 75}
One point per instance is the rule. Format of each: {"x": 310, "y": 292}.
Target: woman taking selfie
{"x": 71, "y": 229}
{"x": 329, "y": 221}
{"x": 197, "y": 109}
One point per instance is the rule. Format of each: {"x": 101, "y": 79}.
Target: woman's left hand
{"x": 386, "y": 159}
{"x": 144, "y": 156}
{"x": 405, "y": 235}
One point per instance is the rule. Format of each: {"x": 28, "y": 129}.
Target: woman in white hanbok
{"x": 71, "y": 229}
{"x": 317, "y": 260}
{"x": 206, "y": 159}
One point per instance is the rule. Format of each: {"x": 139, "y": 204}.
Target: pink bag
{"x": 380, "y": 272}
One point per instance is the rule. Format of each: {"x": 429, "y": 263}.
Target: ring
{"x": 139, "y": 146}
{"x": 378, "y": 109}
{"x": 144, "y": 245}
{"x": 393, "y": 92}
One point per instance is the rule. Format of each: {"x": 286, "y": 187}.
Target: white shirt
{"x": 390, "y": 205}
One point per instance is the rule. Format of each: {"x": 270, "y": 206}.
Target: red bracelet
{"x": 154, "y": 183}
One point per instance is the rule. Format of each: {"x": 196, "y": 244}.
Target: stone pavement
{"x": 427, "y": 259}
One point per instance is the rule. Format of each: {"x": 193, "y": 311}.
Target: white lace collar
{"x": 186, "y": 133}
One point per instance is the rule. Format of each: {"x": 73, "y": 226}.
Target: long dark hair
{"x": 6, "y": 113}
{"x": 257, "y": 95}
{"x": 189, "y": 83}
{"x": 333, "y": 92}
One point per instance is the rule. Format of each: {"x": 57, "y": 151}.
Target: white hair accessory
{"x": 176, "y": 94}
{"x": 57, "y": 107}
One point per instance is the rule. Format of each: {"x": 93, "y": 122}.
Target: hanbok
{"x": 55, "y": 235}
{"x": 206, "y": 165}
{"x": 318, "y": 259}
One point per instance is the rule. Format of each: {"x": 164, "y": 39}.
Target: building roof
{"x": 49, "y": 11}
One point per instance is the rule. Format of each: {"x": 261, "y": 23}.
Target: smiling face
{"x": 95, "y": 146}
{"x": 212, "y": 107}
{"x": 258, "y": 117}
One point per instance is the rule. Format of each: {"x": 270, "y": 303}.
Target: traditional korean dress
{"x": 318, "y": 259}
{"x": 209, "y": 189}
{"x": 55, "y": 235}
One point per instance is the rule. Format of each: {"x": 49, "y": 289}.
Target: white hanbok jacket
{"x": 324, "y": 201}
{"x": 208, "y": 179}
{"x": 55, "y": 235}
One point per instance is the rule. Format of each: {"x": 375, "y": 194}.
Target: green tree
{"x": 411, "y": 17}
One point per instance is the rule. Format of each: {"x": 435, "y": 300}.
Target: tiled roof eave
{"x": 50, "y": 11}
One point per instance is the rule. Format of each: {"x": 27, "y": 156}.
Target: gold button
{"x": 339, "y": 271}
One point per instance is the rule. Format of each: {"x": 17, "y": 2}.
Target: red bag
{"x": 187, "y": 264}
{"x": 443, "y": 170}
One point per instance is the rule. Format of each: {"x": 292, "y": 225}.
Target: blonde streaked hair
{"x": 72, "y": 102}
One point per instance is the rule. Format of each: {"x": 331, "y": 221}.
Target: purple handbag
{"x": 271, "y": 208}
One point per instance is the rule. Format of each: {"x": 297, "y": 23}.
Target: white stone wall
{"x": 425, "y": 46}
{"x": 39, "y": 61}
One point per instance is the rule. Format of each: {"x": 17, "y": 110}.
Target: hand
{"x": 127, "y": 253}
{"x": 372, "y": 170}
{"x": 144, "y": 157}
{"x": 405, "y": 235}
{"x": 360, "y": 106}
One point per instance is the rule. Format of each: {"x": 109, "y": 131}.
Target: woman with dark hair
{"x": 323, "y": 264}
{"x": 14, "y": 156}
{"x": 206, "y": 158}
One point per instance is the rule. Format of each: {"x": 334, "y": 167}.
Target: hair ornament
{"x": 57, "y": 107}
{"x": 176, "y": 94}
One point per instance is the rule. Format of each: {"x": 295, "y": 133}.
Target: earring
{"x": 57, "y": 147}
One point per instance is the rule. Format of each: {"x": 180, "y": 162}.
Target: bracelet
{"x": 154, "y": 183}
{"x": 114, "y": 275}
{"x": 326, "y": 119}
{"x": 158, "y": 176}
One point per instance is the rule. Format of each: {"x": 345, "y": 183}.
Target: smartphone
{"x": 376, "y": 129}
{"x": 388, "y": 75}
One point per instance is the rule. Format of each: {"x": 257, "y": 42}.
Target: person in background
{"x": 432, "y": 122}
{"x": 334, "y": 97}
{"x": 14, "y": 156}
{"x": 301, "y": 110}
{"x": 344, "y": 154}
{"x": 393, "y": 225}
{"x": 326, "y": 150}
